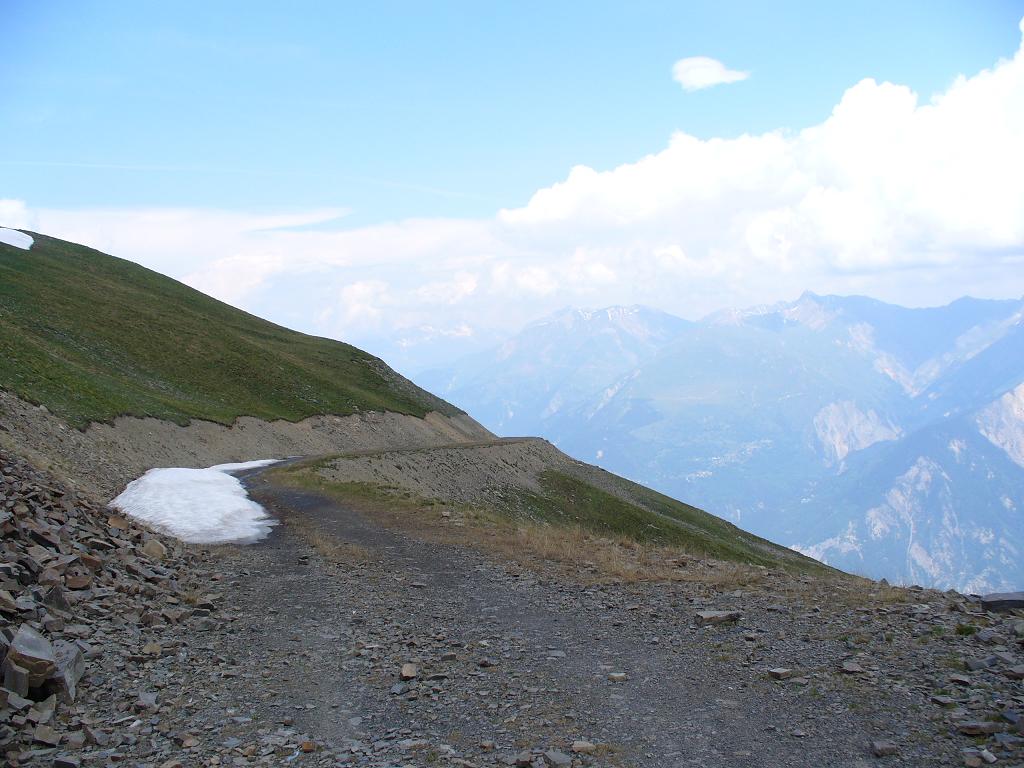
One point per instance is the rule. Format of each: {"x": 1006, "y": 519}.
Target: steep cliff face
{"x": 842, "y": 427}
{"x": 1002, "y": 422}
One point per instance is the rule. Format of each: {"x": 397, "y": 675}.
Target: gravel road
{"x": 397, "y": 651}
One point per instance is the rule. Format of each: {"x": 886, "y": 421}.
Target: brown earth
{"x": 102, "y": 459}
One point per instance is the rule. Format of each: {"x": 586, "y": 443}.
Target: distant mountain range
{"x": 883, "y": 440}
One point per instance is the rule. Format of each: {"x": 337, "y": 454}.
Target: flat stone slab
{"x": 716, "y": 617}
{"x": 1003, "y": 601}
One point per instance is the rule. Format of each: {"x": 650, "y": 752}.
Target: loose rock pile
{"x": 72, "y": 580}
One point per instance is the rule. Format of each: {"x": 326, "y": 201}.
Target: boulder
{"x": 70, "y": 669}
{"x": 32, "y": 652}
{"x": 154, "y": 550}
{"x": 1003, "y": 601}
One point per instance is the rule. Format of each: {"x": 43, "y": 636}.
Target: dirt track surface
{"x": 512, "y": 664}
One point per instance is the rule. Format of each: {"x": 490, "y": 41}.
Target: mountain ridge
{"x": 752, "y": 413}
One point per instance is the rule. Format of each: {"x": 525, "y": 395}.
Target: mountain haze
{"x": 884, "y": 440}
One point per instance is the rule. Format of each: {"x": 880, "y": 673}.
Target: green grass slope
{"x": 646, "y": 516}
{"x": 93, "y": 337}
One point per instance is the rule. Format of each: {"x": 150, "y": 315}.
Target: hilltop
{"x": 94, "y": 337}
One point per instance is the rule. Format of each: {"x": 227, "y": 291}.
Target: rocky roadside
{"x": 102, "y": 635}
{"x": 340, "y": 642}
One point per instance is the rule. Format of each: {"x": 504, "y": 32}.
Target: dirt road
{"x": 504, "y": 664}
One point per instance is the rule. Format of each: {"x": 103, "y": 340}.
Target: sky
{"x": 423, "y": 179}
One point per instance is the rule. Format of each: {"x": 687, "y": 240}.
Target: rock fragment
{"x": 716, "y": 617}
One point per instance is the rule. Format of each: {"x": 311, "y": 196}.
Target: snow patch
{"x": 200, "y": 506}
{"x": 16, "y": 238}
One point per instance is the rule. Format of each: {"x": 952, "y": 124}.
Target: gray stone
{"x": 978, "y": 728}
{"x": 70, "y": 669}
{"x": 716, "y": 617}
{"x": 15, "y": 678}
{"x": 883, "y": 748}
{"x": 44, "y": 734}
{"x": 1003, "y": 601}
{"x": 557, "y": 759}
{"x": 975, "y": 664}
{"x": 33, "y": 653}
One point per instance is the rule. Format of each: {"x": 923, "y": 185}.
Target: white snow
{"x": 16, "y": 238}
{"x": 200, "y": 506}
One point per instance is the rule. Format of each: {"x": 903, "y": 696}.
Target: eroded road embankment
{"x": 391, "y": 650}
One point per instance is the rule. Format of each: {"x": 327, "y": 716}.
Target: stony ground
{"x": 344, "y": 641}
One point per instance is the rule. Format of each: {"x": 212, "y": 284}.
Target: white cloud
{"x": 908, "y": 199}
{"x": 453, "y": 291}
{"x": 698, "y": 72}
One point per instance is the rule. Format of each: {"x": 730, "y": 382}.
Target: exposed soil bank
{"x": 103, "y": 458}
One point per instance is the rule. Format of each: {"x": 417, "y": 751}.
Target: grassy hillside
{"x": 94, "y": 337}
{"x": 648, "y": 517}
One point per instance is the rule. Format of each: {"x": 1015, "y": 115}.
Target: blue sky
{"x": 422, "y": 179}
{"x": 400, "y": 109}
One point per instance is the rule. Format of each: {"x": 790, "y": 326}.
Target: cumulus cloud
{"x": 911, "y": 199}
{"x": 698, "y": 72}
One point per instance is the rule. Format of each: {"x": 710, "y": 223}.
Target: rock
{"x": 70, "y": 669}
{"x": 716, "y": 617}
{"x": 975, "y": 664}
{"x": 118, "y": 523}
{"x": 1015, "y": 673}
{"x": 44, "y": 734}
{"x": 987, "y": 756}
{"x": 66, "y": 761}
{"x": 978, "y": 728}
{"x": 78, "y": 578}
{"x": 557, "y": 759}
{"x": 154, "y": 550}
{"x": 32, "y": 652}
{"x": 780, "y": 673}
{"x": 147, "y": 700}
{"x": 1002, "y": 601}
{"x": 958, "y": 679}
{"x": 851, "y": 668}
{"x": 409, "y": 671}
{"x": 15, "y": 678}
{"x": 75, "y": 739}
{"x": 883, "y": 748}
{"x": 584, "y": 747}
